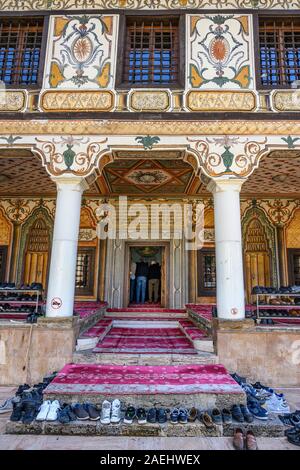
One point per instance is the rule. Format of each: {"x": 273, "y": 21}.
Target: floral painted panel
{"x": 219, "y": 52}
{"x": 81, "y": 52}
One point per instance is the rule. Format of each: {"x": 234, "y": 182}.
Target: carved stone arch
{"x": 259, "y": 247}
{"x": 38, "y": 220}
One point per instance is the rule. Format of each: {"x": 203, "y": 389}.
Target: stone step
{"x": 150, "y": 314}
{"x": 204, "y": 386}
{"x": 88, "y": 356}
{"x": 270, "y": 428}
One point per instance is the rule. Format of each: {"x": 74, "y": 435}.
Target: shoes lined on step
{"x": 141, "y": 416}
{"x": 92, "y": 411}
{"x": 241, "y": 442}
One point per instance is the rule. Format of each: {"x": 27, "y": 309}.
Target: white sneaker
{"x": 44, "y": 409}
{"x": 7, "y": 406}
{"x": 105, "y": 412}
{"x": 53, "y": 411}
{"x": 115, "y": 411}
{"x": 276, "y": 405}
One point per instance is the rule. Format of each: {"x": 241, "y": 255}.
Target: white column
{"x": 229, "y": 256}
{"x": 61, "y": 285}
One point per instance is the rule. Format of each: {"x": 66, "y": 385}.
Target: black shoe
{"x": 248, "y": 417}
{"x": 238, "y": 378}
{"x": 294, "y": 438}
{"x": 92, "y": 411}
{"x": 30, "y": 408}
{"x": 227, "y": 416}
{"x": 63, "y": 415}
{"x": 216, "y": 416}
{"x": 183, "y": 416}
{"x": 71, "y": 413}
{"x": 17, "y": 411}
{"x": 129, "y": 415}
{"x": 80, "y": 412}
{"x": 237, "y": 413}
{"x": 152, "y": 415}
{"x": 21, "y": 389}
{"x": 174, "y": 416}
{"x": 141, "y": 416}
{"x": 162, "y": 416}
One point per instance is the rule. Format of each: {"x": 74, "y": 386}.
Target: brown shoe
{"x": 193, "y": 413}
{"x": 206, "y": 419}
{"x": 238, "y": 439}
{"x": 251, "y": 443}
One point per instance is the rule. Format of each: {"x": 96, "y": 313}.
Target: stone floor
{"x": 28, "y": 442}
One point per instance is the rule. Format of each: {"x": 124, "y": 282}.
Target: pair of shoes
{"x": 241, "y": 413}
{"x": 293, "y": 435}
{"x": 48, "y": 411}
{"x": 66, "y": 414}
{"x": 24, "y": 410}
{"x": 179, "y": 415}
{"x": 256, "y": 409}
{"x": 277, "y": 404}
{"x": 154, "y": 415}
{"x": 111, "y": 412}
{"x": 83, "y": 411}
{"x": 241, "y": 442}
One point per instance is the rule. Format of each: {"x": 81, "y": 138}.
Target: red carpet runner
{"x": 136, "y": 380}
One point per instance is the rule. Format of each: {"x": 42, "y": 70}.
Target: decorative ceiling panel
{"x": 148, "y": 176}
{"x": 278, "y": 174}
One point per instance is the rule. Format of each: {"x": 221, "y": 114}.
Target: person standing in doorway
{"x": 132, "y": 280}
{"x": 141, "y": 275}
{"x": 153, "y": 281}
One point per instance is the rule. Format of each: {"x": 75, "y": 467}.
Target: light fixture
{"x": 4, "y": 178}
{"x": 280, "y": 178}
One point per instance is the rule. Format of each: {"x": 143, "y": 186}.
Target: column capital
{"x": 79, "y": 183}
{"x": 223, "y": 185}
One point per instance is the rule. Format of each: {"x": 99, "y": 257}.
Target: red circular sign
{"x": 56, "y": 303}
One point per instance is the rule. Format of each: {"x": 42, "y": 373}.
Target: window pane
{"x": 20, "y": 46}
{"x": 151, "y": 52}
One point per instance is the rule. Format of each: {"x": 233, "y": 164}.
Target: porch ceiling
{"x": 278, "y": 175}
{"x": 22, "y": 174}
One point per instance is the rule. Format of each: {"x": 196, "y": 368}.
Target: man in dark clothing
{"x": 153, "y": 281}
{"x": 141, "y": 274}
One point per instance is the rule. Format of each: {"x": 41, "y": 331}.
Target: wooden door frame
{"x": 4, "y": 248}
{"x": 291, "y": 253}
{"x": 165, "y": 245}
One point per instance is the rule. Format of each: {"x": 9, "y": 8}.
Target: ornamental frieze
{"x": 19, "y": 209}
{"x": 149, "y": 100}
{"x": 16, "y": 5}
{"x": 285, "y": 100}
{"x": 117, "y": 127}
{"x": 77, "y": 100}
{"x": 215, "y": 156}
{"x": 221, "y": 101}
{"x": 13, "y": 100}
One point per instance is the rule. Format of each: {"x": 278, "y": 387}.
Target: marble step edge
{"x": 271, "y": 428}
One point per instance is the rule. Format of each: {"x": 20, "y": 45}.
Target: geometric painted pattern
{"x": 135, "y": 177}
{"x": 278, "y": 174}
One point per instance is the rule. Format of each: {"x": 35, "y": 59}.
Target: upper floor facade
{"x": 150, "y": 56}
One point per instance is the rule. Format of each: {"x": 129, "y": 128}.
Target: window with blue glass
{"x": 20, "y": 50}
{"x": 151, "y": 52}
{"x": 279, "y": 51}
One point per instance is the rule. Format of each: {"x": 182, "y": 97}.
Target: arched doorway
{"x": 35, "y": 248}
{"x": 259, "y": 246}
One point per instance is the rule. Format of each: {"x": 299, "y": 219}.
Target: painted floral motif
{"x": 81, "y": 56}
{"x": 219, "y": 56}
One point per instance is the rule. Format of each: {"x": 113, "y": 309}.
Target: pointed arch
{"x": 35, "y": 247}
{"x": 259, "y": 247}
